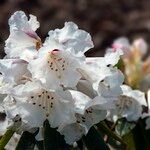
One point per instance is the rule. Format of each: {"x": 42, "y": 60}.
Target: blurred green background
{"x": 104, "y": 19}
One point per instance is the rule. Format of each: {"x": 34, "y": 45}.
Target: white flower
{"x": 95, "y": 69}
{"x": 111, "y": 58}
{"x": 61, "y": 55}
{"x": 129, "y": 105}
{"x": 110, "y": 86}
{"x": 96, "y": 72}
{"x": 73, "y": 39}
{"x": 86, "y": 117}
{"x": 34, "y": 105}
{"x": 93, "y": 73}
{"x": 55, "y": 68}
{"x": 86, "y": 88}
{"x": 23, "y": 41}
{"x": 13, "y": 70}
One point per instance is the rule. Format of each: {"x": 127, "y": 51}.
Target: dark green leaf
{"x": 39, "y": 145}
{"x": 138, "y": 137}
{"x": 52, "y": 139}
{"x": 94, "y": 141}
{"x": 26, "y": 142}
{"x": 5, "y": 138}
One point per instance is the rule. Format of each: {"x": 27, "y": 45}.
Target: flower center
{"x": 38, "y": 44}
{"x": 124, "y": 103}
{"x": 56, "y": 63}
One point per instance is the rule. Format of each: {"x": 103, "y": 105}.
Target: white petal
{"x": 86, "y": 88}
{"x": 109, "y": 88}
{"x": 78, "y": 41}
{"x": 19, "y": 21}
{"x": 112, "y": 58}
{"x": 128, "y": 105}
{"x": 72, "y": 132}
{"x": 91, "y": 116}
{"x": 23, "y": 38}
{"x": 13, "y": 70}
{"x": 81, "y": 101}
{"x": 136, "y": 94}
{"x": 33, "y": 23}
{"x": 40, "y": 136}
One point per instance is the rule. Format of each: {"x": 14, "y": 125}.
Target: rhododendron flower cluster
{"x": 136, "y": 62}
{"x": 54, "y": 80}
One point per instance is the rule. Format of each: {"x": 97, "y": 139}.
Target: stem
{"x": 5, "y": 138}
{"x": 110, "y": 133}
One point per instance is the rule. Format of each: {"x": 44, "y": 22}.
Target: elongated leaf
{"x": 80, "y": 144}
{"x": 138, "y": 137}
{"x": 130, "y": 143}
{"x": 52, "y": 139}
{"x": 40, "y": 145}
{"x": 5, "y": 138}
{"x": 94, "y": 141}
{"x": 26, "y": 142}
{"x": 50, "y": 142}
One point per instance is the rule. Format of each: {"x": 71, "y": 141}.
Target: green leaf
{"x": 39, "y": 145}
{"x": 129, "y": 140}
{"x": 123, "y": 127}
{"x": 26, "y": 142}
{"x": 5, "y": 138}
{"x": 52, "y": 139}
{"x": 120, "y": 65}
{"x": 138, "y": 137}
{"x": 94, "y": 141}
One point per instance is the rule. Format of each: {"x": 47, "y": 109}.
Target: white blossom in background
{"x": 140, "y": 45}
{"x": 23, "y": 42}
{"x": 123, "y": 44}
